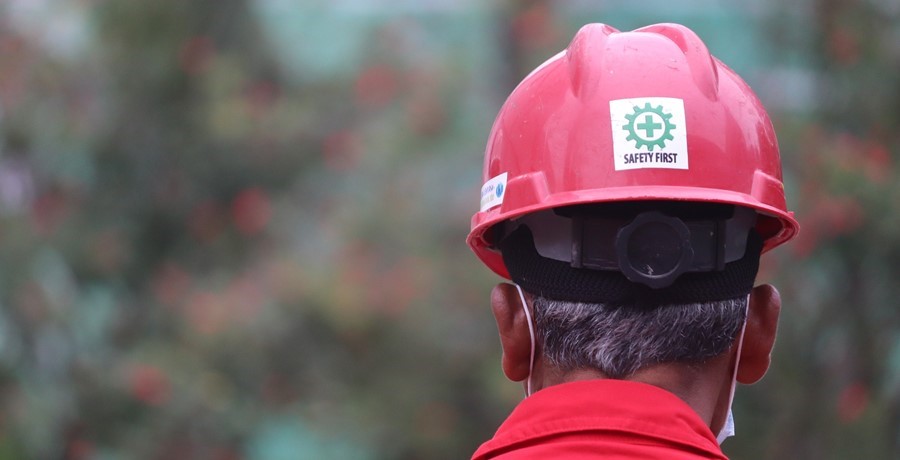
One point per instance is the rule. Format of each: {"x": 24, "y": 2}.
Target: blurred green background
{"x": 234, "y": 229}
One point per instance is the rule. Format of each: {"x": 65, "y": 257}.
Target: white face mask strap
{"x": 530, "y": 333}
{"x": 727, "y": 430}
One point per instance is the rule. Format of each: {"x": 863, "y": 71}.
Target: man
{"x": 631, "y": 183}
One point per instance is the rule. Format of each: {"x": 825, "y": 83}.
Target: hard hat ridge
{"x": 702, "y": 64}
{"x": 584, "y": 58}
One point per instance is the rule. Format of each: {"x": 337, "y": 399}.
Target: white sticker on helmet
{"x": 492, "y": 192}
{"x": 649, "y": 132}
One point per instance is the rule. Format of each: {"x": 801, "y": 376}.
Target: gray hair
{"x": 619, "y": 340}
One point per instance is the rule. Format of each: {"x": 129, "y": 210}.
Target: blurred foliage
{"x": 235, "y": 229}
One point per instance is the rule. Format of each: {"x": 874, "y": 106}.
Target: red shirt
{"x": 609, "y": 419}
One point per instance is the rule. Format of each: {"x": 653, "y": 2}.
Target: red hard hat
{"x": 631, "y": 116}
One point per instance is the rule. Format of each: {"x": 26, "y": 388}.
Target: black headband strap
{"x": 556, "y": 279}
{"x": 648, "y": 247}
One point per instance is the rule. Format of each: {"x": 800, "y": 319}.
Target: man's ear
{"x": 513, "y": 328}
{"x": 759, "y": 337}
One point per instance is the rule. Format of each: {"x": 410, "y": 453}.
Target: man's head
{"x": 688, "y": 349}
{"x": 631, "y": 184}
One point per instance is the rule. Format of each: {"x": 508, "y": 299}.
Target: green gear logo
{"x": 649, "y": 127}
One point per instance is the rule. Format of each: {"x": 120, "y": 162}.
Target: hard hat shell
{"x": 556, "y": 141}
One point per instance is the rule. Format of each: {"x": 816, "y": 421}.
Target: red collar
{"x": 604, "y": 411}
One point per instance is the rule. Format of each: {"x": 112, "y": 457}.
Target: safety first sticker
{"x": 649, "y": 132}
{"x": 492, "y": 192}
